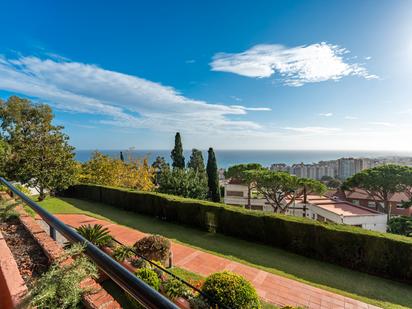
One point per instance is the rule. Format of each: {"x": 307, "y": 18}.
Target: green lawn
{"x": 371, "y": 289}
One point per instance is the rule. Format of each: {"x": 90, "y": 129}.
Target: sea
{"x": 226, "y": 158}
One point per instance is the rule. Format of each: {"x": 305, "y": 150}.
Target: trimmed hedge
{"x": 386, "y": 255}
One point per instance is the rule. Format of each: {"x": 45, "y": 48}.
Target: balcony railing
{"x": 127, "y": 281}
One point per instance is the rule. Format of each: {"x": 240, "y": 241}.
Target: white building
{"x": 323, "y": 209}
{"x": 237, "y": 195}
{"x": 318, "y": 208}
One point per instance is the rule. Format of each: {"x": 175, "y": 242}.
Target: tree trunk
{"x": 42, "y": 195}
{"x": 388, "y": 210}
{"x": 249, "y": 193}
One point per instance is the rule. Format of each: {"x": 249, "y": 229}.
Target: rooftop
{"x": 339, "y": 207}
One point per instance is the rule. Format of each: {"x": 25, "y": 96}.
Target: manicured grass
{"x": 186, "y": 275}
{"x": 371, "y": 289}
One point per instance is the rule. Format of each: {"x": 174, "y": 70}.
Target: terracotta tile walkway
{"x": 272, "y": 288}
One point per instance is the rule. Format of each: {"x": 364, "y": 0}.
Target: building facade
{"x": 318, "y": 208}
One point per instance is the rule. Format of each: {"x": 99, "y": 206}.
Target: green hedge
{"x": 387, "y": 255}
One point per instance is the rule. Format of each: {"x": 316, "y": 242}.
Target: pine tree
{"x": 121, "y": 156}
{"x": 212, "y": 177}
{"x": 196, "y": 161}
{"x": 177, "y": 153}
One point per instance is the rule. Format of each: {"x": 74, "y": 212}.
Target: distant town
{"x": 342, "y": 168}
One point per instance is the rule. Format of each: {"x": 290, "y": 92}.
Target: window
{"x": 257, "y": 207}
{"x": 321, "y": 218}
{"x": 234, "y": 193}
{"x": 356, "y": 202}
{"x": 399, "y": 206}
{"x": 371, "y": 204}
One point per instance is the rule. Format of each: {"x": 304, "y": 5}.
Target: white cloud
{"x": 351, "y": 117}
{"x": 123, "y": 100}
{"x": 326, "y": 114}
{"x": 368, "y": 58}
{"x": 190, "y": 61}
{"x": 296, "y": 66}
{"x": 381, "y": 123}
{"x": 258, "y": 109}
{"x": 313, "y": 130}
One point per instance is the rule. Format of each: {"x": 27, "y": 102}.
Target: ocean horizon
{"x": 226, "y": 158}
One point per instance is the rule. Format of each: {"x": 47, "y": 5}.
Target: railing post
{"x": 52, "y": 232}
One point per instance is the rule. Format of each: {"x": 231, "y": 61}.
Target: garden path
{"x": 272, "y": 288}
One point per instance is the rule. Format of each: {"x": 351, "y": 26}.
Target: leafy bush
{"x": 174, "y": 288}
{"x": 154, "y": 247}
{"x": 198, "y": 302}
{"x": 96, "y": 234}
{"x": 7, "y": 210}
{"x": 401, "y": 225}
{"x": 183, "y": 182}
{"x": 150, "y": 277}
{"x": 122, "y": 253}
{"x": 387, "y": 255}
{"x": 60, "y": 287}
{"x": 140, "y": 263}
{"x": 231, "y": 290}
{"x": 23, "y": 189}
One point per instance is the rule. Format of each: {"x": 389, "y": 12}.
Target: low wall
{"x": 12, "y": 286}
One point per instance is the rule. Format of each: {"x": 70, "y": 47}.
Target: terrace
{"x": 281, "y": 278}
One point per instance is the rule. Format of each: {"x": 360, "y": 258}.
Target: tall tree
{"x": 382, "y": 182}
{"x": 5, "y": 152}
{"x": 196, "y": 161}
{"x": 212, "y": 176}
{"x": 41, "y": 155}
{"x": 238, "y": 173}
{"x": 177, "y": 153}
{"x": 160, "y": 166}
{"x": 281, "y": 189}
{"x": 183, "y": 182}
{"x": 121, "y": 156}
{"x": 105, "y": 170}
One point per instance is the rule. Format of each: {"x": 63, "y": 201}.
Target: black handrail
{"x": 138, "y": 289}
{"x": 211, "y": 300}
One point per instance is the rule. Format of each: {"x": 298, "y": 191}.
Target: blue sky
{"x": 227, "y": 74}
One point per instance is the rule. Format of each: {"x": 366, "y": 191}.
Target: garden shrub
{"x": 96, "y": 234}
{"x": 8, "y": 210}
{"x": 231, "y": 290}
{"x": 154, "y": 247}
{"x": 381, "y": 254}
{"x": 60, "y": 287}
{"x": 174, "y": 288}
{"x": 150, "y": 277}
{"x": 121, "y": 253}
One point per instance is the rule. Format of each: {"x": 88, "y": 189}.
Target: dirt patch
{"x": 29, "y": 256}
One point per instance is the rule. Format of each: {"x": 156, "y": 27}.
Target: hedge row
{"x": 386, "y": 255}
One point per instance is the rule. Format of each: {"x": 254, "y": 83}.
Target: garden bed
{"x": 34, "y": 253}
{"x": 29, "y": 256}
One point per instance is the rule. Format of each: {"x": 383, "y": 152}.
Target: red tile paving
{"x": 272, "y": 288}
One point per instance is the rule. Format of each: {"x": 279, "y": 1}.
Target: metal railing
{"x": 127, "y": 281}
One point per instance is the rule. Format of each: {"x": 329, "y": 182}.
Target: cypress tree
{"x": 196, "y": 161}
{"x": 177, "y": 153}
{"x": 121, "y": 156}
{"x": 212, "y": 176}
